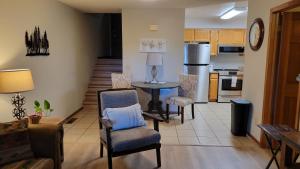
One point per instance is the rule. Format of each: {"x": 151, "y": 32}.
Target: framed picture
{"x": 153, "y": 45}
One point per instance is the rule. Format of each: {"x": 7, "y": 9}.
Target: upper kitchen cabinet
{"x": 214, "y": 38}
{"x": 202, "y": 35}
{"x": 189, "y": 35}
{"x": 232, "y": 36}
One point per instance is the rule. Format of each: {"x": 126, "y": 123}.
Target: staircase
{"x": 101, "y": 79}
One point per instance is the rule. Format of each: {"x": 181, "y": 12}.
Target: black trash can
{"x": 240, "y": 109}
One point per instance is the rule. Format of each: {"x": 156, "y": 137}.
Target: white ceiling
{"x": 213, "y": 11}
{"x": 102, "y": 6}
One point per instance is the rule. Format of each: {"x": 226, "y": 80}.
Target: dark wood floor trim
{"x": 67, "y": 118}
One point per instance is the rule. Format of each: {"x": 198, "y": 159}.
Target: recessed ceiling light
{"x": 233, "y": 12}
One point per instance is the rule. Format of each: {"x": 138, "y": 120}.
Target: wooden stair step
{"x": 100, "y": 82}
{"x": 105, "y": 72}
{"x": 95, "y": 89}
{"x": 99, "y": 86}
{"x": 101, "y": 79}
{"x": 88, "y": 93}
{"x": 90, "y": 103}
{"x": 90, "y": 98}
{"x": 98, "y": 74}
{"x": 108, "y": 68}
{"x": 90, "y": 107}
{"x": 109, "y": 62}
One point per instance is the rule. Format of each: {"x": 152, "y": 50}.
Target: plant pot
{"x": 34, "y": 119}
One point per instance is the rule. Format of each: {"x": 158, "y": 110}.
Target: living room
{"x": 60, "y": 79}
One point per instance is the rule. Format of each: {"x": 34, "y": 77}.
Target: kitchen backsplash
{"x": 227, "y": 61}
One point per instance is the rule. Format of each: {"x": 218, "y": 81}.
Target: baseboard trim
{"x": 254, "y": 139}
{"x": 67, "y": 118}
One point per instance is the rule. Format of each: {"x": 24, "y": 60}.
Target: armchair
{"x": 123, "y": 142}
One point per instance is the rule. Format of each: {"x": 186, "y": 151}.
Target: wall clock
{"x": 256, "y": 34}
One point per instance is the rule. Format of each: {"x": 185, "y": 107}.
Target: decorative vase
{"x": 35, "y": 119}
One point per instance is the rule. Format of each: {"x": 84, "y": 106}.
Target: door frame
{"x": 271, "y": 67}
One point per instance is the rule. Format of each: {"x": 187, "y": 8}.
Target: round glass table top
{"x": 146, "y": 85}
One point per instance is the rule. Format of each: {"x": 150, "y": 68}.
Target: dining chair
{"x": 120, "y": 80}
{"x": 126, "y": 141}
{"x": 187, "y": 93}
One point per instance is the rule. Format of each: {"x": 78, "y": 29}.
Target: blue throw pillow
{"x": 125, "y": 117}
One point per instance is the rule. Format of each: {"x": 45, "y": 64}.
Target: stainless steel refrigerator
{"x": 196, "y": 62}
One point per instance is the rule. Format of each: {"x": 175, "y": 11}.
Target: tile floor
{"x": 211, "y": 127}
{"x": 211, "y": 144}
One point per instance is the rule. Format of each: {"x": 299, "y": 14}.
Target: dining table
{"x": 155, "y": 105}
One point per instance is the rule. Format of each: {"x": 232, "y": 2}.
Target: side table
{"x": 273, "y": 133}
{"x": 59, "y": 122}
{"x": 155, "y": 105}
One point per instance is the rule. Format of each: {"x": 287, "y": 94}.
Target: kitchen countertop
{"x": 298, "y": 78}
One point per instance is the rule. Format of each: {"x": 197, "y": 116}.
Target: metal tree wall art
{"x": 37, "y": 46}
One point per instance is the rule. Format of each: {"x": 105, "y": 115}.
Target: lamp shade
{"x": 15, "y": 81}
{"x": 154, "y": 59}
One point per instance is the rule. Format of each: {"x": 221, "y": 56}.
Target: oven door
{"x": 225, "y": 87}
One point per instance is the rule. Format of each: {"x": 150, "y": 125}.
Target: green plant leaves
{"x": 46, "y": 105}
{"x": 37, "y": 103}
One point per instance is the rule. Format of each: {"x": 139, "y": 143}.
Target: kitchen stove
{"x": 230, "y": 84}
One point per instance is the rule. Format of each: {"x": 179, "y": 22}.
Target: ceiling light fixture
{"x": 233, "y": 12}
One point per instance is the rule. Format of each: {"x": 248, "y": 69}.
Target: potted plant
{"x": 36, "y": 116}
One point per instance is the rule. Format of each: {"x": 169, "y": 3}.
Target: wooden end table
{"x": 58, "y": 122}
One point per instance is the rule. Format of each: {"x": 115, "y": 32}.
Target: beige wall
{"x": 255, "y": 62}
{"x": 136, "y": 26}
{"x": 62, "y": 77}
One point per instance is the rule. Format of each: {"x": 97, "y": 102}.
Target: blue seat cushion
{"x": 129, "y": 139}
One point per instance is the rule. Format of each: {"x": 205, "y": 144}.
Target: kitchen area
{"x": 217, "y": 56}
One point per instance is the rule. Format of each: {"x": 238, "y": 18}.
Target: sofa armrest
{"x": 46, "y": 142}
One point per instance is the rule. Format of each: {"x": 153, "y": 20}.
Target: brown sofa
{"x": 45, "y": 141}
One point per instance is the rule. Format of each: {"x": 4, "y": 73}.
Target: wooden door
{"x": 298, "y": 109}
{"x": 232, "y": 36}
{"x": 189, "y": 35}
{"x": 202, "y": 35}
{"x": 214, "y": 38}
{"x": 288, "y": 69}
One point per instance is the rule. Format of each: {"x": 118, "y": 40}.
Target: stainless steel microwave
{"x": 231, "y": 49}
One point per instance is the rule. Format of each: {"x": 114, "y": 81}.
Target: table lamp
{"x": 16, "y": 81}
{"x": 154, "y": 59}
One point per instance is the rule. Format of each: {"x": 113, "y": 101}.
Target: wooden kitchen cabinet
{"x": 202, "y": 35}
{"x": 189, "y": 35}
{"x": 214, "y": 39}
{"x": 232, "y": 36}
{"x": 213, "y": 87}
